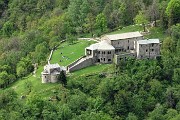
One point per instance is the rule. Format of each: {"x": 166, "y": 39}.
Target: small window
{"x": 146, "y": 50}
{"x": 98, "y": 60}
{"x": 128, "y": 47}
{"x": 152, "y": 50}
{"x": 104, "y": 59}
{"x": 98, "y": 52}
{"x": 152, "y": 44}
{"x": 109, "y": 60}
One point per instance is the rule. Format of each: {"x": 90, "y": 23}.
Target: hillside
{"x": 132, "y": 90}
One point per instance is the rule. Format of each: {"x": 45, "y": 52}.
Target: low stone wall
{"x": 73, "y": 63}
{"x": 83, "y": 64}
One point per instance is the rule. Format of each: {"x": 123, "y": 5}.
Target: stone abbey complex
{"x": 117, "y": 47}
{"x": 111, "y": 48}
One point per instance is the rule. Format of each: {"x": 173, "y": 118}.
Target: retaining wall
{"x": 83, "y": 64}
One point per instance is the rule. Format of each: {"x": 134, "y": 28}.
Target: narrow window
{"x": 128, "y": 47}
{"x": 152, "y": 50}
{"x": 146, "y": 50}
{"x": 104, "y": 59}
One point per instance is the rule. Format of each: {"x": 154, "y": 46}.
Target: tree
{"x": 41, "y": 51}
{"x": 176, "y": 75}
{"x": 62, "y": 78}
{"x": 141, "y": 19}
{"x": 70, "y": 38}
{"x": 171, "y": 113}
{"x": 24, "y": 66}
{"x": 64, "y": 112}
{"x": 89, "y": 23}
{"x": 173, "y": 12}
{"x": 154, "y": 11}
{"x": 8, "y": 28}
{"x": 131, "y": 116}
{"x": 3, "y": 79}
{"x": 101, "y": 22}
{"x": 157, "y": 113}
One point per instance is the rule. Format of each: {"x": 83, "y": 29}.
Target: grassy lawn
{"x": 70, "y": 53}
{"x": 131, "y": 28}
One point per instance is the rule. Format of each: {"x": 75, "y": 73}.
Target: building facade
{"x": 124, "y": 42}
{"x": 51, "y": 73}
{"x": 118, "y": 47}
{"x": 101, "y": 52}
{"x": 148, "y": 48}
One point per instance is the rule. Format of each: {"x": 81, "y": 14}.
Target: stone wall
{"x": 73, "y": 63}
{"x": 87, "y": 62}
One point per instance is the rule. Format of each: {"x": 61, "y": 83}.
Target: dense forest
{"x": 134, "y": 90}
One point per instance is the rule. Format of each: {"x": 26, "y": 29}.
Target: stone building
{"x": 102, "y": 52}
{"x": 117, "y": 47}
{"x": 124, "y": 42}
{"x": 51, "y": 73}
{"x": 148, "y": 48}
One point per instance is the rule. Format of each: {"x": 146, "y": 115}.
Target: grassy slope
{"x": 72, "y": 52}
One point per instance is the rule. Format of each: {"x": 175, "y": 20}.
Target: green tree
{"x": 154, "y": 12}
{"x": 157, "y": 113}
{"x": 41, "y": 51}
{"x": 171, "y": 113}
{"x": 62, "y": 78}
{"x": 65, "y": 112}
{"x": 141, "y": 19}
{"x": 101, "y": 22}
{"x": 89, "y": 23}
{"x": 131, "y": 116}
{"x": 3, "y": 79}
{"x": 8, "y": 28}
{"x": 24, "y": 66}
{"x": 70, "y": 38}
{"x": 173, "y": 12}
